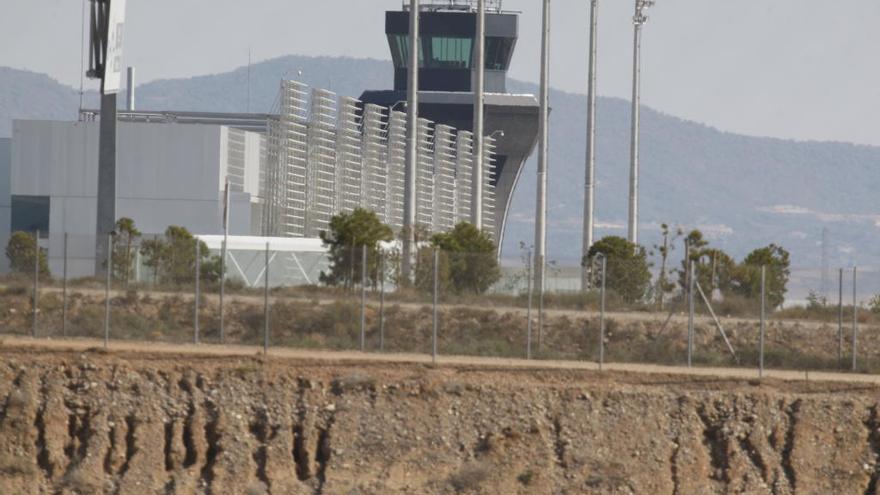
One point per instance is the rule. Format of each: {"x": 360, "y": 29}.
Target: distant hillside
{"x": 31, "y": 95}
{"x": 744, "y": 191}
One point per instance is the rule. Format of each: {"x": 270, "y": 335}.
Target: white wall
{"x": 167, "y": 174}
{"x": 5, "y": 200}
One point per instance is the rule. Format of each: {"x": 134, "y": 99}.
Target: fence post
{"x": 381, "y": 301}
{"x": 351, "y": 267}
{"x": 64, "y": 291}
{"x": 198, "y": 291}
{"x": 107, "y": 291}
{"x": 223, "y": 255}
{"x": 266, "y": 306}
{"x": 840, "y": 320}
{"x": 690, "y": 345}
{"x": 529, "y": 308}
{"x": 602, "y": 315}
{"x": 36, "y": 299}
{"x": 855, "y": 323}
{"x": 763, "y": 321}
{"x": 364, "y": 298}
{"x": 137, "y": 266}
{"x": 436, "y": 290}
{"x": 541, "y": 305}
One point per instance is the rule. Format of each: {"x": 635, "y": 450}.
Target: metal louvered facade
{"x": 328, "y": 155}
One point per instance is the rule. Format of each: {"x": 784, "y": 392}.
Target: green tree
{"x": 747, "y": 279}
{"x": 424, "y": 270}
{"x": 628, "y": 270}
{"x": 715, "y": 269}
{"x": 874, "y": 305}
{"x": 174, "y": 256}
{"x": 348, "y": 234}
{"x": 472, "y": 258}
{"x": 21, "y": 251}
{"x": 664, "y": 284}
{"x": 123, "y": 249}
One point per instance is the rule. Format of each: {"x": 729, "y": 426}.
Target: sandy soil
{"x": 145, "y": 419}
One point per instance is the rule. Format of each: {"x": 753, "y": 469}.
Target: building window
{"x": 498, "y": 53}
{"x": 30, "y": 213}
{"x": 448, "y": 52}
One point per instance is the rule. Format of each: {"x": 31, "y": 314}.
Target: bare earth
{"x": 153, "y": 418}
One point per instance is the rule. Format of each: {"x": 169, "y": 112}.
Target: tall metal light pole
{"x": 105, "y": 63}
{"x": 541, "y": 203}
{"x": 639, "y": 20}
{"x": 590, "y": 177}
{"x": 412, "y": 148}
{"x": 479, "y": 100}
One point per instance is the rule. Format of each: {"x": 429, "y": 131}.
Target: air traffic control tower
{"x": 446, "y": 78}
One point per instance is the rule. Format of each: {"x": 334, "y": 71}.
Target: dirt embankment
{"x": 145, "y": 424}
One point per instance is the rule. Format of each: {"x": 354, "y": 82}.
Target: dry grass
{"x": 11, "y": 465}
{"x": 469, "y": 478}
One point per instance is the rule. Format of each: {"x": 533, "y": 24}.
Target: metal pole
{"x": 543, "y": 159}
{"x": 266, "y": 305}
{"x": 107, "y": 291}
{"x": 840, "y": 319}
{"x": 129, "y": 97}
{"x": 36, "y": 300}
{"x": 855, "y": 323}
{"x": 381, "y": 301}
{"x": 639, "y": 20}
{"x": 412, "y": 147}
{"x": 691, "y": 278}
{"x": 222, "y": 284}
{"x": 223, "y": 254}
{"x": 763, "y": 321}
{"x": 64, "y": 291}
{"x": 479, "y": 97}
{"x": 716, "y": 320}
{"x": 364, "y": 298}
{"x": 106, "y": 206}
{"x": 351, "y": 268}
{"x": 436, "y": 295}
{"x": 198, "y": 292}
{"x": 602, "y": 315}
{"x": 529, "y": 309}
{"x": 590, "y": 176}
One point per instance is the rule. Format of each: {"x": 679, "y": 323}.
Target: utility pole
{"x": 639, "y": 20}
{"x": 479, "y": 104}
{"x": 541, "y": 203}
{"x": 412, "y": 146}
{"x": 590, "y": 182}
{"x": 105, "y": 63}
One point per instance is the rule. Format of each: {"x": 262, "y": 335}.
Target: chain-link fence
{"x": 179, "y": 289}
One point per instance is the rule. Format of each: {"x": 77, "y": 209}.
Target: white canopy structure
{"x": 292, "y": 260}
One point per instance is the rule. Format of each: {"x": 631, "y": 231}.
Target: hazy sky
{"x": 805, "y": 69}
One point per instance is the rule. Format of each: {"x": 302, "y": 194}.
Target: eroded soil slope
{"x": 146, "y": 424}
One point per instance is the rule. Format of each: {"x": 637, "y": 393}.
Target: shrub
{"x": 21, "y": 251}
{"x": 469, "y": 477}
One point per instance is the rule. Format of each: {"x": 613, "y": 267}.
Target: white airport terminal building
{"x": 167, "y": 174}
{"x": 288, "y": 174}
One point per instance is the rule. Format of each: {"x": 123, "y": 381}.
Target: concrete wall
{"x": 5, "y": 199}
{"x": 167, "y": 174}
